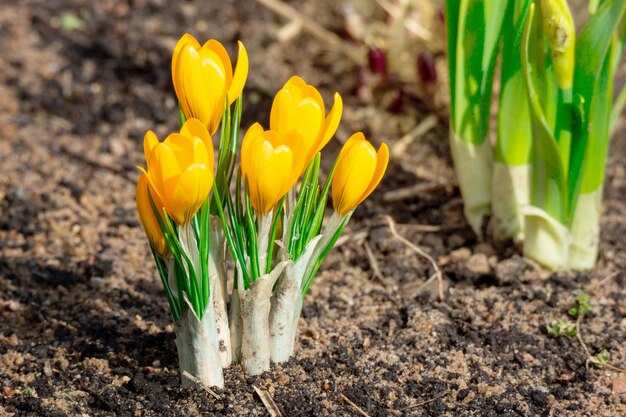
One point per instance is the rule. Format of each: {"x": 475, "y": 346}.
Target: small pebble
{"x": 479, "y": 264}
{"x": 460, "y": 255}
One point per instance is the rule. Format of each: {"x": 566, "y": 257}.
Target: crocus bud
{"x": 377, "y": 61}
{"x": 559, "y": 28}
{"x": 359, "y": 170}
{"x": 426, "y": 69}
{"x": 299, "y": 107}
{"x": 203, "y": 79}
{"x": 147, "y": 216}
{"x": 180, "y": 169}
{"x": 270, "y": 165}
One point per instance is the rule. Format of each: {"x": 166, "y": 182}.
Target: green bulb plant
{"x": 556, "y": 112}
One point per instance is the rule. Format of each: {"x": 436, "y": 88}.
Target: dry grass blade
{"x": 400, "y": 194}
{"x": 592, "y": 288}
{"x": 399, "y": 148}
{"x": 268, "y": 402}
{"x": 201, "y": 385}
{"x": 423, "y": 403}
{"x": 415, "y": 248}
{"x": 358, "y": 236}
{"x": 433, "y": 228}
{"x": 326, "y": 36}
{"x": 353, "y": 405}
{"x": 373, "y": 262}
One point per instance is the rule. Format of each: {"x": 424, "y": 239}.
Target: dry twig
{"x": 420, "y": 404}
{"x": 326, "y": 36}
{"x": 425, "y": 126}
{"x": 357, "y": 236}
{"x": 353, "y": 405}
{"x": 405, "y": 193}
{"x": 373, "y": 262}
{"x": 268, "y": 402}
{"x": 434, "y": 228}
{"x": 415, "y": 248}
{"x": 201, "y": 385}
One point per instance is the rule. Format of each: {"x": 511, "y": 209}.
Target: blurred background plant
{"x": 405, "y": 42}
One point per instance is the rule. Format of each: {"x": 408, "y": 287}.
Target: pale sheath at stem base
{"x": 218, "y": 275}
{"x": 556, "y": 247}
{"x": 198, "y": 348}
{"x": 473, "y": 165}
{"x": 235, "y": 326}
{"x": 287, "y": 303}
{"x": 586, "y": 230}
{"x": 510, "y": 193}
{"x": 254, "y": 305}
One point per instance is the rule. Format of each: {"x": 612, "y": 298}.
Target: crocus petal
{"x": 240, "y": 76}
{"x": 187, "y": 192}
{"x": 293, "y": 112}
{"x": 150, "y": 140}
{"x": 186, "y": 41}
{"x": 352, "y": 176}
{"x": 147, "y": 216}
{"x": 252, "y": 133}
{"x": 332, "y": 122}
{"x": 382, "y": 159}
{"x": 359, "y": 170}
{"x": 163, "y": 167}
{"x": 194, "y": 128}
{"x": 220, "y": 51}
{"x": 267, "y": 166}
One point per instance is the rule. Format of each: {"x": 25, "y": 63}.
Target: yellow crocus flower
{"x": 269, "y": 165}
{"x": 299, "y": 107}
{"x": 180, "y": 169}
{"x": 203, "y": 79}
{"x": 146, "y": 216}
{"x": 359, "y": 170}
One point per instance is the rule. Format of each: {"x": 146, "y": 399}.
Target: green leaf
{"x": 549, "y": 181}
{"x": 474, "y": 28}
{"x": 599, "y": 131}
{"x": 592, "y": 47}
{"x": 452, "y": 8}
{"x": 514, "y": 124}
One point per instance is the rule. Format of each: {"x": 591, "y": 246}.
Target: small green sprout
{"x": 603, "y": 357}
{"x": 581, "y": 307}
{"x": 71, "y": 22}
{"x": 559, "y": 328}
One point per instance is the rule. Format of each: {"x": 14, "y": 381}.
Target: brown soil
{"x": 85, "y": 329}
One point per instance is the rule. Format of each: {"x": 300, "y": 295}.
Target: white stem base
{"x": 472, "y": 164}
{"x": 284, "y": 317}
{"x": 198, "y": 349}
{"x": 546, "y": 240}
{"x": 586, "y": 231}
{"x": 255, "y": 310}
{"x": 218, "y": 275}
{"x": 554, "y": 246}
{"x": 510, "y": 192}
{"x": 234, "y": 320}
{"x": 287, "y": 303}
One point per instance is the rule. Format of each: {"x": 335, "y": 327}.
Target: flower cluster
{"x": 267, "y": 215}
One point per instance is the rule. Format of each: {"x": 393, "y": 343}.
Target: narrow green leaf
{"x": 548, "y": 173}
{"x": 592, "y": 47}
{"x": 514, "y": 124}
{"x": 599, "y": 133}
